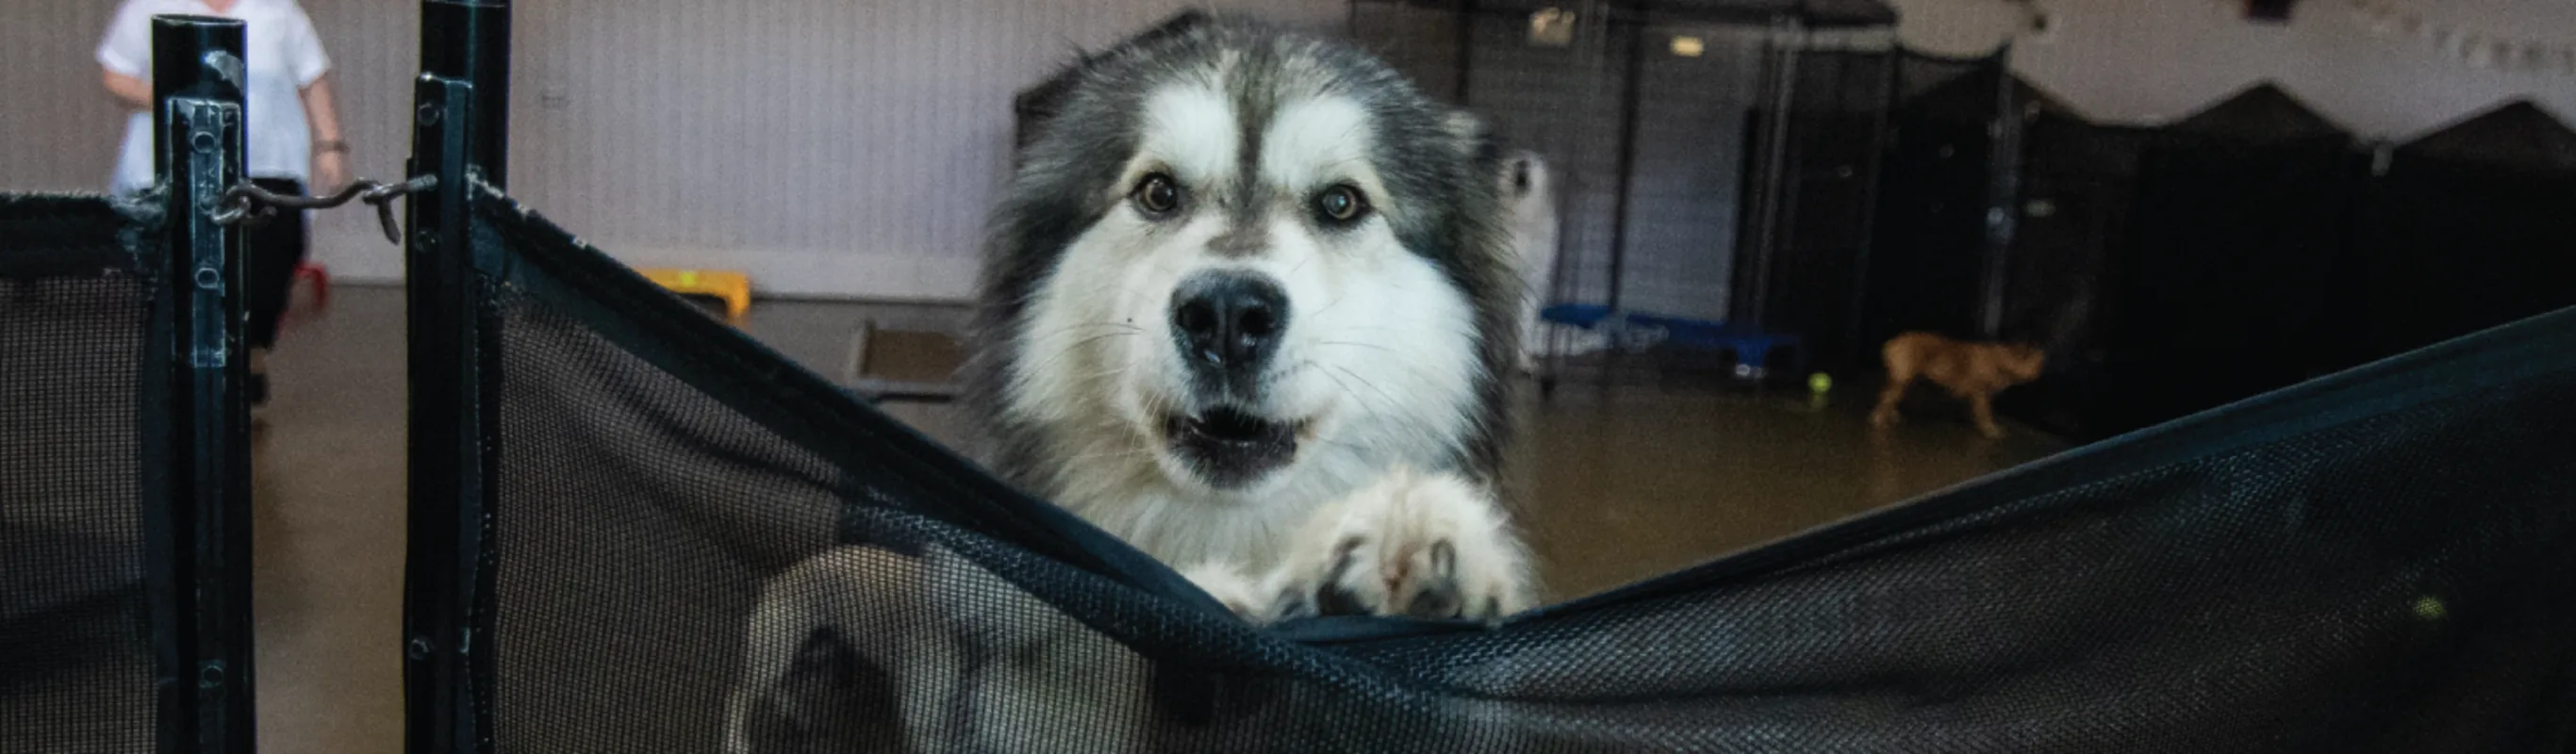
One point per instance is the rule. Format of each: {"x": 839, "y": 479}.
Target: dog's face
{"x": 1274, "y": 261}
{"x": 2023, "y": 363}
{"x": 1266, "y": 304}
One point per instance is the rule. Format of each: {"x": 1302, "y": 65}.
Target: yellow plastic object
{"x": 734, "y": 288}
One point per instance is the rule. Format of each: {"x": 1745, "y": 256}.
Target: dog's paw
{"x": 1421, "y": 545}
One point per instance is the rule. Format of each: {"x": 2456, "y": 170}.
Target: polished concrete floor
{"x": 1619, "y": 484}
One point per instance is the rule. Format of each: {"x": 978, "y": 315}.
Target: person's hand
{"x": 330, "y": 172}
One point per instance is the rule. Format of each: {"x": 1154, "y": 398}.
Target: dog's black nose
{"x": 1228, "y": 323}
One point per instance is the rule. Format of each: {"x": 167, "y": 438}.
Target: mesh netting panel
{"x": 636, "y": 519}
{"x": 2382, "y": 561}
{"x": 75, "y": 657}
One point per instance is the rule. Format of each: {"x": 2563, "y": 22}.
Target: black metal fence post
{"x": 459, "y": 136}
{"x": 200, "y": 569}
{"x": 469, "y": 41}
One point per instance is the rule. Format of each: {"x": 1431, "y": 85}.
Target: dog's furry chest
{"x": 1183, "y": 530}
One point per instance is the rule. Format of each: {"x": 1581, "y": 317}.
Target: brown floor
{"x": 1622, "y": 484}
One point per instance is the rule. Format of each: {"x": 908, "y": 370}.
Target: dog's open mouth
{"x": 1230, "y": 447}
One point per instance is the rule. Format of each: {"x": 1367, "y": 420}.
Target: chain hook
{"x": 245, "y": 202}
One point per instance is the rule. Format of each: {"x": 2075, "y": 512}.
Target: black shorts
{"x": 275, "y": 248}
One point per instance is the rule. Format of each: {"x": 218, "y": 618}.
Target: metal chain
{"x": 254, "y": 204}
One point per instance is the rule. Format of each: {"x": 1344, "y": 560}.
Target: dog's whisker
{"x": 1411, "y": 370}
{"x": 1459, "y": 333}
{"x": 1107, "y": 454}
{"x": 1346, "y": 387}
{"x": 1355, "y": 343}
{"x": 1301, "y": 264}
{"x": 1371, "y": 449}
{"x": 1414, "y": 430}
{"x": 1077, "y": 345}
{"x": 1390, "y": 398}
{"x": 1346, "y": 296}
{"x": 1110, "y": 372}
{"x": 1089, "y": 326}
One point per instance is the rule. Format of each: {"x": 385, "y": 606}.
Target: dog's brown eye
{"x": 1157, "y": 195}
{"x": 1340, "y": 204}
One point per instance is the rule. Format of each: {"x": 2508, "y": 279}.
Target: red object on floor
{"x": 320, "y": 277}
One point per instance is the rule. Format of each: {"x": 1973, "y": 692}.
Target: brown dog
{"x": 1972, "y": 371}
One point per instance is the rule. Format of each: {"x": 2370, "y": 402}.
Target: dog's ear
{"x": 1523, "y": 173}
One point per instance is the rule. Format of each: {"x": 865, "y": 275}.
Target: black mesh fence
{"x": 693, "y": 545}
{"x": 697, "y": 546}
{"x": 1928, "y": 268}
{"x": 1710, "y": 162}
{"x": 76, "y": 672}
{"x": 2236, "y": 255}
{"x": 2171, "y": 270}
{"x": 2078, "y": 195}
{"x": 610, "y": 582}
{"x": 1812, "y": 282}
{"x": 124, "y": 463}
{"x": 2449, "y": 245}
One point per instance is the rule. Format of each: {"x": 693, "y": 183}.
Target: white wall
{"x": 2149, "y": 61}
{"x": 831, "y": 148}
{"x": 851, "y": 148}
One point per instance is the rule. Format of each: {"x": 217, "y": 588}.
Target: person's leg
{"x": 274, "y": 248}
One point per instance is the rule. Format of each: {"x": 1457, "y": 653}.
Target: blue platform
{"x": 1751, "y": 347}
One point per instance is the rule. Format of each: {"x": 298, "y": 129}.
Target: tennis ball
{"x": 2429, "y": 608}
{"x": 1820, "y": 382}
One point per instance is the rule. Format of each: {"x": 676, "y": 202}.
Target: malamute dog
{"x": 1250, "y": 303}
{"x": 1241, "y": 277}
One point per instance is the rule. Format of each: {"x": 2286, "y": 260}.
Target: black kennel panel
{"x": 1932, "y": 243}
{"x": 634, "y": 526}
{"x": 2373, "y": 561}
{"x": 1643, "y": 146}
{"x": 1681, "y": 187}
{"x": 76, "y": 650}
{"x": 643, "y": 495}
{"x": 124, "y": 461}
{"x": 2469, "y": 227}
{"x": 2078, "y": 190}
{"x": 1829, "y": 153}
{"x": 2231, "y": 283}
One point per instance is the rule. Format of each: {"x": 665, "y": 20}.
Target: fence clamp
{"x": 254, "y": 204}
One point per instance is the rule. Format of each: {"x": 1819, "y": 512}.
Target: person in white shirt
{"x": 292, "y": 134}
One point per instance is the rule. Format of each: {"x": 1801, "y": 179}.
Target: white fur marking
{"x": 1190, "y": 128}
{"x": 1314, "y": 143}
